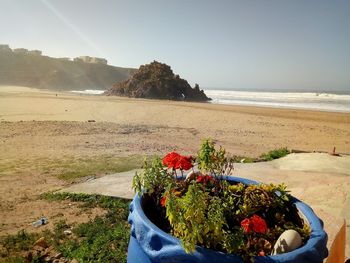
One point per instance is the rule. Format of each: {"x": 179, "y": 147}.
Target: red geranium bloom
{"x": 177, "y": 161}
{"x": 162, "y": 202}
{"x": 258, "y": 224}
{"x": 164, "y": 198}
{"x": 204, "y": 179}
{"x": 246, "y": 225}
{"x": 171, "y": 159}
{"x": 184, "y": 163}
{"x": 255, "y": 224}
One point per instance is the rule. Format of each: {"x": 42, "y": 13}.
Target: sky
{"x": 248, "y": 44}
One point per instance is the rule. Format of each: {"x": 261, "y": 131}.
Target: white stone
{"x": 288, "y": 241}
{"x": 67, "y": 232}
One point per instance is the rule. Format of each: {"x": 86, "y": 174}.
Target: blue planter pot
{"x": 148, "y": 243}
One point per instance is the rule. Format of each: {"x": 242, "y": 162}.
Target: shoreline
{"x": 284, "y": 107}
{"x": 272, "y": 105}
{"x": 130, "y": 126}
{"x": 239, "y": 107}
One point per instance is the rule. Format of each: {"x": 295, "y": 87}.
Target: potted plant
{"x": 206, "y": 215}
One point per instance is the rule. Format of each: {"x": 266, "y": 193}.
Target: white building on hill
{"x": 4, "y": 47}
{"x": 93, "y": 60}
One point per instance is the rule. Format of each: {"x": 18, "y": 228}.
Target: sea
{"x": 320, "y": 101}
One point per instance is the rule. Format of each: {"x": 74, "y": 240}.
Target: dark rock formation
{"x": 157, "y": 81}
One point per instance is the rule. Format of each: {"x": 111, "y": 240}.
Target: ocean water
{"x": 89, "y": 91}
{"x": 293, "y": 100}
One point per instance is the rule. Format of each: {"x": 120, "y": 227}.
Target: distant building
{"x": 4, "y": 47}
{"x": 85, "y": 59}
{"x": 35, "y": 52}
{"x": 93, "y": 60}
{"x": 65, "y": 59}
{"x": 20, "y": 50}
{"x": 78, "y": 60}
{"x": 98, "y": 61}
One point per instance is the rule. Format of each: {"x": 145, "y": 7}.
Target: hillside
{"x": 157, "y": 81}
{"x": 32, "y": 70}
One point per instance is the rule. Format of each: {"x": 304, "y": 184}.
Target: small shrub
{"x": 275, "y": 154}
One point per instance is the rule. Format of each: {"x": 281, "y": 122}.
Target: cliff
{"x": 33, "y": 70}
{"x": 157, "y": 81}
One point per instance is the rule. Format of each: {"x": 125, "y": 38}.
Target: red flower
{"x": 258, "y": 224}
{"x": 177, "y": 161}
{"x": 246, "y": 225}
{"x": 184, "y": 163}
{"x": 163, "y": 201}
{"x": 204, "y": 179}
{"x": 171, "y": 159}
{"x": 255, "y": 224}
{"x": 164, "y": 198}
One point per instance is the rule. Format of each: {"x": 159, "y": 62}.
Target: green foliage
{"x": 275, "y": 154}
{"x": 206, "y": 211}
{"x": 152, "y": 179}
{"x": 196, "y": 218}
{"x": 249, "y": 200}
{"x": 103, "y": 239}
{"x": 106, "y": 202}
{"x": 213, "y": 161}
{"x": 210, "y": 215}
{"x": 18, "y": 242}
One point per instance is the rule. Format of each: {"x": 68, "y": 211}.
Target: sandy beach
{"x": 40, "y": 123}
{"x": 38, "y": 128}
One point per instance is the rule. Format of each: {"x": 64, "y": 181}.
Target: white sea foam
{"x": 297, "y": 100}
{"x": 294, "y": 100}
{"x": 89, "y": 91}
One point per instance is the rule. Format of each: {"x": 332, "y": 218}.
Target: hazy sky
{"x": 272, "y": 44}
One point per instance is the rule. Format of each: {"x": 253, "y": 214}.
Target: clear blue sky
{"x": 261, "y": 44}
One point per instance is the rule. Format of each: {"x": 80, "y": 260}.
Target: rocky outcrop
{"x": 157, "y": 81}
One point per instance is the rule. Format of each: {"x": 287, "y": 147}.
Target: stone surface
{"x": 67, "y": 232}
{"x": 111, "y": 185}
{"x": 288, "y": 241}
{"x": 157, "y": 81}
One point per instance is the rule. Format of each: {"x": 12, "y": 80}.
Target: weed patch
{"x": 269, "y": 156}
{"x": 275, "y": 154}
{"x": 103, "y": 239}
{"x": 72, "y": 168}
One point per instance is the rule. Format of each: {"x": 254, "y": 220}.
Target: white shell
{"x": 288, "y": 241}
